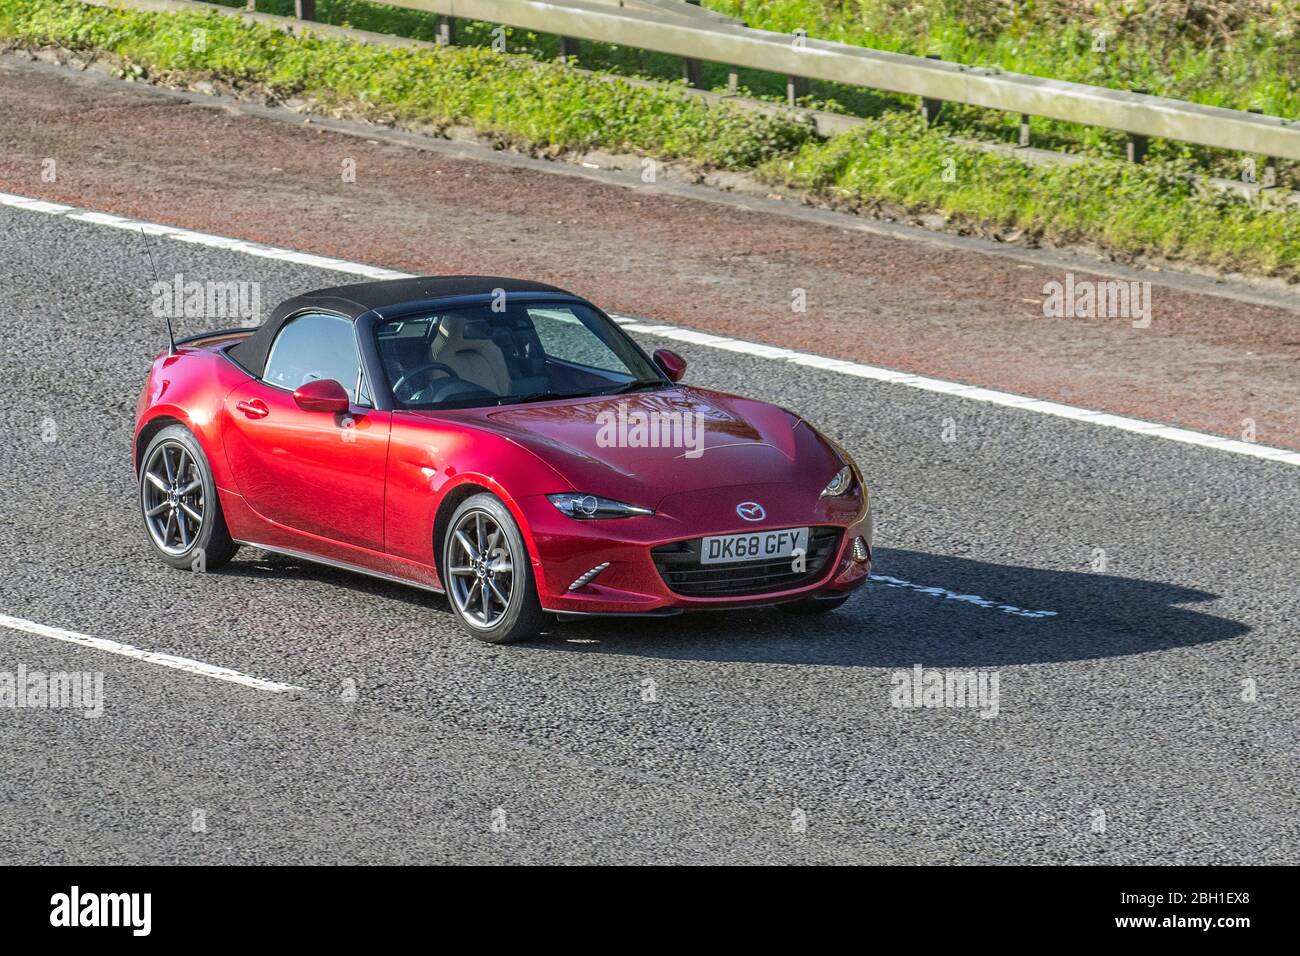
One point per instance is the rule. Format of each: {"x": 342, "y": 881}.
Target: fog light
{"x": 860, "y": 552}
{"x": 588, "y": 577}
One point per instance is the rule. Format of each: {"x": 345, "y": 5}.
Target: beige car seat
{"x": 477, "y": 360}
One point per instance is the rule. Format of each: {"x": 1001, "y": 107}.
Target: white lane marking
{"x": 235, "y": 245}
{"x": 975, "y": 599}
{"x": 972, "y": 393}
{"x": 200, "y": 238}
{"x": 34, "y": 205}
{"x": 149, "y": 657}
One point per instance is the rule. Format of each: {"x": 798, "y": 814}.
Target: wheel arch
{"x": 442, "y": 518}
{"x": 151, "y": 428}
{"x": 468, "y": 487}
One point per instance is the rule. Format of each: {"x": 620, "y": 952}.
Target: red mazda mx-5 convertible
{"x": 502, "y": 441}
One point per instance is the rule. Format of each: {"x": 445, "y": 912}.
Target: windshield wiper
{"x": 546, "y": 396}
{"x": 539, "y": 397}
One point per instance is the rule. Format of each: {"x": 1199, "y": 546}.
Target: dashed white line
{"x": 185, "y": 664}
{"x": 972, "y": 393}
{"x": 975, "y": 599}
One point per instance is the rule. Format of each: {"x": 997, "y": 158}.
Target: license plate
{"x": 753, "y": 546}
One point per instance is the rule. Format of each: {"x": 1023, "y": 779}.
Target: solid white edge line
{"x": 184, "y": 664}
{"x": 972, "y": 393}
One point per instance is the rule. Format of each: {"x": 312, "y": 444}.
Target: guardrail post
{"x": 692, "y": 70}
{"x": 446, "y": 31}
{"x": 733, "y": 81}
{"x": 796, "y": 87}
{"x": 304, "y": 9}
{"x": 569, "y": 48}
{"x": 1024, "y": 130}
{"x": 930, "y": 108}
{"x": 1268, "y": 175}
{"x": 1135, "y": 147}
{"x": 1268, "y": 178}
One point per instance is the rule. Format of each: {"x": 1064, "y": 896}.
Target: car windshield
{"x": 485, "y": 355}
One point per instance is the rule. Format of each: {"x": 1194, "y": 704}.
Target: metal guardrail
{"x": 681, "y": 29}
{"x": 684, "y": 29}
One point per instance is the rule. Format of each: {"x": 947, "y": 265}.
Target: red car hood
{"x": 605, "y": 445}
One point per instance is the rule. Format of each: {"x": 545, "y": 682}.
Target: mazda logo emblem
{"x": 751, "y": 511}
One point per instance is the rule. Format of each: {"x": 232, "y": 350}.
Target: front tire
{"x": 179, "y": 503}
{"x": 488, "y": 575}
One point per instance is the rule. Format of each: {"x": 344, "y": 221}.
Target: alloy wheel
{"x": 480, "y": 570}
{"x": 171, "y": 493}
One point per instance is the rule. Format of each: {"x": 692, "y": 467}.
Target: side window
{"x": 311, "y": 347}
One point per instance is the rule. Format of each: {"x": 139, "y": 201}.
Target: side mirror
{"x": 321, "y": 395}
{"x": 674, "y": 365}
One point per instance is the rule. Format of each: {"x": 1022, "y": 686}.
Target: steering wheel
{"x": 426, "y": 367}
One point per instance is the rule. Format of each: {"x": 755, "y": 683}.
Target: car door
{"x": 316, "y": 472}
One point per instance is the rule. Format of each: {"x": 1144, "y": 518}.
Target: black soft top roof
{"x": 352, "y": 301}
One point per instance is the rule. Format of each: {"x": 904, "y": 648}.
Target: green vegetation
{"x": 1233, "y": 53}
{"x": 1239, "y": 54}
{"x": 1156, "y": 209}
{"x": 525, "y": 103}
{"x": 893, "y": 162}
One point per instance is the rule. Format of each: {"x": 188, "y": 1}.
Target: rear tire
{"x": 179, "y": 503}
{"x": 488, "y": 575}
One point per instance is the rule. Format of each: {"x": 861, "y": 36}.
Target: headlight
{"x": 592, "y": 506}
{"x": 841, "y": 483}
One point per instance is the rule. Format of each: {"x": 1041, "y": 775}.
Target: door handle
{"x": 253, "y": 409}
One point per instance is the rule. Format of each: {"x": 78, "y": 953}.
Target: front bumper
{"x": 633, "y": 584}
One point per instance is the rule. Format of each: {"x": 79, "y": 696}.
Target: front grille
{"x": 679, "y": 565}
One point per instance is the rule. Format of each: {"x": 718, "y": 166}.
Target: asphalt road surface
{"x": 1151, "y": 718}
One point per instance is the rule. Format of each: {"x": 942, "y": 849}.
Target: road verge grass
{"x": 526, "y": 103}
{"x": 1158, "y": 210}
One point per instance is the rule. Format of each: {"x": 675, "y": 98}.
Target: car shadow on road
{"x": 258, "y": 564}
{"x": 1097, "y": 616}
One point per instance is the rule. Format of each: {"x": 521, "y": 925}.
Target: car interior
{"x": 474, "y": 353}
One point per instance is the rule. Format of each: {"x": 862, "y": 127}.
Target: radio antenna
{"x": 171, "y": 337}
